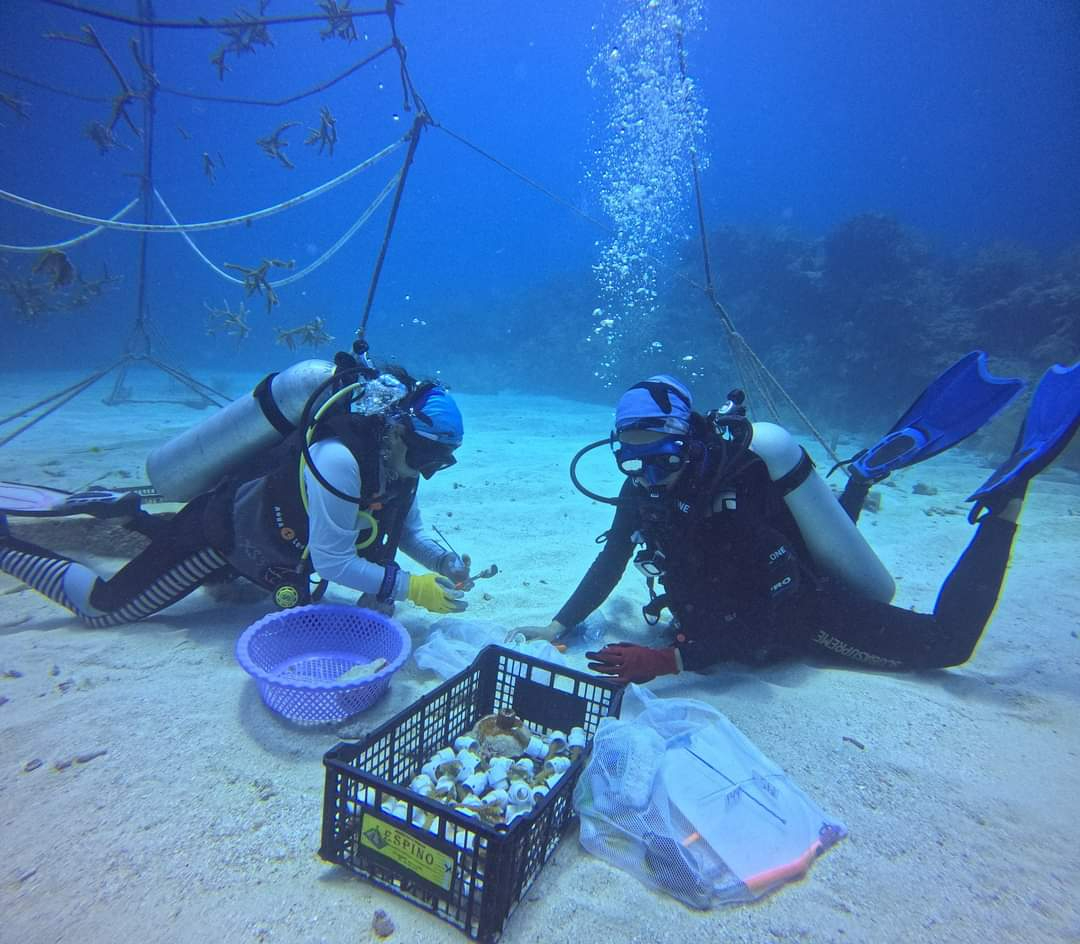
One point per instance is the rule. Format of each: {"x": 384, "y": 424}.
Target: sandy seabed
{"x": 200, "y": 822}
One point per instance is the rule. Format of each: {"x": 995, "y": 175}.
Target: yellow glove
{"x": 435, "y": 593}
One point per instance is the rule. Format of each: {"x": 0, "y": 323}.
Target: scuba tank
{"x": 835, "y": 544}
{"x": 198, "y": 458}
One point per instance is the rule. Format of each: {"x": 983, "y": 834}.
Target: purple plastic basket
{"x": 297, "y": 655}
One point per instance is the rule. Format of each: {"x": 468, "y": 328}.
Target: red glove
{"x": 629, "y": 663}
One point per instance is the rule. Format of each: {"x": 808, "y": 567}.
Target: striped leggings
{"x": 172, "y": 566}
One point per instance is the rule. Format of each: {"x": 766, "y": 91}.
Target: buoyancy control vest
{"x": 268, "y": 528}
{"x": 728, "y": 554}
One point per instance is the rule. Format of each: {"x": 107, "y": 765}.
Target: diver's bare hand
{"x": 551, "y": 632}
{"x": 456, "y": 569}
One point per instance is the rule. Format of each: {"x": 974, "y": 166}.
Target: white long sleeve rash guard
{"x": 335, "y": 526}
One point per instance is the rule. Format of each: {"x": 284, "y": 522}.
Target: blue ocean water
{"x": 884, "y": 187}
{"x": 958, "y": 124}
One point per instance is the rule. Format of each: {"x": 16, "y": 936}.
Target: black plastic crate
{"x": 465, "y": 871}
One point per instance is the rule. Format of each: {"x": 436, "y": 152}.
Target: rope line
{"x": 146, "y": 179}
{"x": 53, "y": 88}
{"x": 208, "y": 24}
{"x": 57, "y": 400}
{"x": 297, "y": 276}
{"x": 573, "y": 208}
{"x": 753, "y": 373}
{"x": 146, "y": 23}
{"x": 274, "y": 103}
{"x": 213, "y": 224}
{"x": 751, "y": 368}
{"x": 562, "y": 201}
{"x": 403, "y": 173}
{"x": 380, "y": 198}
{"x": 33, "y": 406}
{"x": 74, "y": 241}
{"x": 191, "y": 243}
{"x": 219, "y": 99}
{"x": 747, "y": 362}
{"x": 204, "y": 390}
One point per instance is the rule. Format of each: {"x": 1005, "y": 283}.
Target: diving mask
{"x": 426, "y": 456}
{"x": 652, "y": 462}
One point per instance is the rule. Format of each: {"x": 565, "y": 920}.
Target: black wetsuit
{"x": 202, "y": 542}
{"x": 741, "y": 585}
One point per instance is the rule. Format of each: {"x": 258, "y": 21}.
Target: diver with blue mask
{"x": 336, "y": 497}
{"x": 745, "y": 545}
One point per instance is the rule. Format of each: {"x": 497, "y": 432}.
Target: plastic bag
{"x": 674, "y": 793}
{"x": 453, "y": 643}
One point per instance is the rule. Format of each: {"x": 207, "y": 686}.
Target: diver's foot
{"x": 148, "y": 525}
{"x": 1051, "y": 422}
{"x": 854, "y": 495}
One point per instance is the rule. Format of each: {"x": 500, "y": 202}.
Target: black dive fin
{"x": 41, "y": 501}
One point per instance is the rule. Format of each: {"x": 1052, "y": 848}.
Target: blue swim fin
{"x": 1051, "y": 422}
{"x": 953, "y": 407}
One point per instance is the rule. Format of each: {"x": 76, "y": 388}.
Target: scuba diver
{"x": 336, "y": 496}
{"x": 755, "y": 558}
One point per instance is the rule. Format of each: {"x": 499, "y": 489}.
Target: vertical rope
{"x": 729, "y": 325}
{"x": 751, "y": 369}
{"x": 146, "y": 37}
{"x": 414, "y": 140}
{"x": 139, "y": 344}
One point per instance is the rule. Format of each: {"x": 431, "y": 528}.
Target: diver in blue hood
{"x": 756, "y": 559}
{"x": 336, "y": 497}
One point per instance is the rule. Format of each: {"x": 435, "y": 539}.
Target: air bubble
{"x": 651, "y": 124}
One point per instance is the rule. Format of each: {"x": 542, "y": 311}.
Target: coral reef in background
{"x": 854, "y": 324}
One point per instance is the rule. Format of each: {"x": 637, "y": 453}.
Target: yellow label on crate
{"x": 406, "y": 850}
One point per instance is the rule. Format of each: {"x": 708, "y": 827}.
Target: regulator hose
{"x": 573, "y": 472}
{"x": 307, "y": 421}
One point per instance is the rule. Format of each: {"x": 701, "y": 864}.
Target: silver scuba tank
{"x": 196, "y": 460}
{"x": 832, "y": 539}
